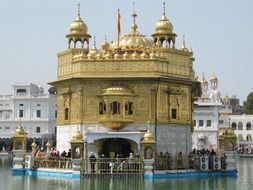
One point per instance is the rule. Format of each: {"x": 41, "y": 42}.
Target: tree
{"x": 248, "y": 104}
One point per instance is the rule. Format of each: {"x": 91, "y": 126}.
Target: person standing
{"x": 93, "y": 160}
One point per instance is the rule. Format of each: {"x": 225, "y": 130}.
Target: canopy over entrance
{"x": 131, "y": 135}
{"x": 113, "y": 143}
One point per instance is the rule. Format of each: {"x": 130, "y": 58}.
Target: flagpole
{"x": 118, "y": 27}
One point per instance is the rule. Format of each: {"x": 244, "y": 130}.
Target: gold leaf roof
{"x": 78, "y": 27}
{"x": 134, "y": 40}
{"x": 164, "y": 26}
{"x": 76, "y": 137}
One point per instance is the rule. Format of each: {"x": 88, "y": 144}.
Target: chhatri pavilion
{"x": 113, "y": 96}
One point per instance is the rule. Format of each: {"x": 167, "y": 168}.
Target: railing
{"x": 117, "y": 166}
{"x": 53, "y": 163}
{"x": 185, "y": 162}
{"x": 125, "y": 166}
{"x": 101, "y": 166}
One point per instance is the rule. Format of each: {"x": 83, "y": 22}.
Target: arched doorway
{"x": 116, "y": 146}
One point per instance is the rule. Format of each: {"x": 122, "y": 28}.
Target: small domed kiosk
{"x": 227, "y": 146}
{"x": 19, "y": 139}
{"x": 77, "y": 149}
{"x": 148, "y": 152}
{"x": 227, "y": 140}
{"x": 19, "y": 150}
{"x": 148, "y": 146}
{"x": 77, "y": 146}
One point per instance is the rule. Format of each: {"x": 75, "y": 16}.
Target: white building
{"x": 31, "y": 108}
{"x": 206, "y": 116}
{"x": 242, "y": 126}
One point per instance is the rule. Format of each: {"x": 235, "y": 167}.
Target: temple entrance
{"x": 116, "y": 146}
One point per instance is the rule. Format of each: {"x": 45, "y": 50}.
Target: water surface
{"x": 244, "y": 181}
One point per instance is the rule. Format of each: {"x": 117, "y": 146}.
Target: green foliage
{"x": 248, "y": 104}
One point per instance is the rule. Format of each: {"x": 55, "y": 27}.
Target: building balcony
{"x": 116, "y": 121}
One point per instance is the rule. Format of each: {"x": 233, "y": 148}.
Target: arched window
{"x": 240, "y": 138}
{"x": 115, "y": 108}
{"x": 129, "y": 108}
{"x": 240, "y": 125}
{"x": 249, "y": 138}
{"x": 66, "y": 113}
{"x": 248, "y": 126}
{"x": 234, "y": 125}
{"x": 102, "y": 107}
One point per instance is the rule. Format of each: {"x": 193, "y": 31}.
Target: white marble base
{"x": 170, "y": 138}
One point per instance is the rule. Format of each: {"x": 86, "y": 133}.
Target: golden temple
{"x": 111, "y": 93}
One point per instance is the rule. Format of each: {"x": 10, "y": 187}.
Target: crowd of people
{"x": 117, "y": 164}
{"x": 166, "y": 161}
{"x": 132, "y": 163}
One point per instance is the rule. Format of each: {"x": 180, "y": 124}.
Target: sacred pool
{"x": 243, "y": 181}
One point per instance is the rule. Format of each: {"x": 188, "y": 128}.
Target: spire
{"x": 148, "y": 126}
{"x": 94, "y": 43}
{"x": 164, "y": 13}
{"x": 203, "y": 77}
{"x": 183, "y": 47}
{"x": 134, "y": 15}
{"x": 78, "y": 9}
{"x": 78, "y": 12}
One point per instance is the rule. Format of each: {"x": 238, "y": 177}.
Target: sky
{"x": 218, "y": 31}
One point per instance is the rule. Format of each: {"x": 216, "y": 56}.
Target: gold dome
{"x": 134, "y": 40}
{"x": 34, "y": 145}
{"x": 20, "y": 131}
{"x": 148, "y": 137}
{"x": 164, "y": 26}
{"x": 105, "y": 45}
{"x": 77, "y": 136}
{"x": 214, "y": 77}
{"x": 78, "y": 28}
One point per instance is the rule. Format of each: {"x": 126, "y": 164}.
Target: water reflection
{"x": 244, "y": 181}
{"x": 112, "y": 183}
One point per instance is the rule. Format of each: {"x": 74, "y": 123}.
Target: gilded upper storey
{"x": 135, "y": 79}
{"x": 132, "y": 54}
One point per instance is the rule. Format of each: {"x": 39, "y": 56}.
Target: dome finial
{"x": 78, "y": 12}
{"x": 183, "y": 44}
{"x": 184, "y": 48}
{"x": 203, "y": 76}
{"x": 134, "y": 15}
{"x": 78, "y": 9}
{"x": 94, "y": 43}
{"x": 164, "y": 8}
{"x": 148, "y": 126}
